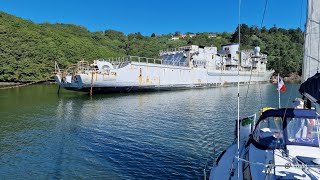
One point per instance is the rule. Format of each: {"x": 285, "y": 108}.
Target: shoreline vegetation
{"x": 28, "y": 50}
{"x": 292, "y": 78}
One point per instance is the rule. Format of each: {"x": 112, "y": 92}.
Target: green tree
{"x": 28, "y": 50}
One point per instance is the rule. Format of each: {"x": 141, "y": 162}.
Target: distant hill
{"x": 28, "y": 50}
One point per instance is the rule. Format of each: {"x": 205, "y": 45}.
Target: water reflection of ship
{"x": 181, "y": 68}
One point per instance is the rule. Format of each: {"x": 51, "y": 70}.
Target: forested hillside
{"x": 28, "y": 50}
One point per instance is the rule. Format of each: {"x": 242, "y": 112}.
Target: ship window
{"x": 301, "y": 131}
{"x": 105, "y": 67}
{"x": 275, "y": 132}
{"x": 269, "y": 133}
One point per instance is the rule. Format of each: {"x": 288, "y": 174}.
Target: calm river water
{"x": 161, "y": 135}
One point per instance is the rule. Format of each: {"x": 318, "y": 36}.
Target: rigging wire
{"x": 264, "y": 12}
{"x": 305, "y": 50}
{"x": 301, "y": 5}
{"x": 260, "y": 94}
{"x": 245, "y": 102}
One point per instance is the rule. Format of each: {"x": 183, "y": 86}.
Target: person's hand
{"x": 276, "y": 135}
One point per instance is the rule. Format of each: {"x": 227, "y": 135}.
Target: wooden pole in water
{"x": 91, "y": 84}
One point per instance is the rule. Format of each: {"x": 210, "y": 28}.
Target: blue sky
{"x": 159, "y": 16}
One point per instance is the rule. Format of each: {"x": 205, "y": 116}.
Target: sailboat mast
{"x": 238, "y": 119}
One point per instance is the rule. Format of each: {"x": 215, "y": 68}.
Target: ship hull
{"x": 137, "y": 76}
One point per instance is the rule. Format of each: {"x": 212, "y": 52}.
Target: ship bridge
{"x": 192, "y": 56}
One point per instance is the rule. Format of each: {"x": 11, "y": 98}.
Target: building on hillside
{"x": 173, "y": 38}
{"x": 192, "y": 35}
{"x": 212, "y": 35}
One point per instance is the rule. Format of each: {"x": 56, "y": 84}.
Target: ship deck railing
{"x": 119, "y": 62}
{"x": 73, "y": 69}
{"x": 174, "y": 50}
{"x": 122, "y": 61}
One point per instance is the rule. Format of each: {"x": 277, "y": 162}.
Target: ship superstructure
{"x": 179, "y": 68}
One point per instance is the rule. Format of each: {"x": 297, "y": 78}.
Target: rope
{"x": 27, "y": 84}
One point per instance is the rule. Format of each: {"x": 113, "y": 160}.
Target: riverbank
{"x": 19, "y": 83}
{"x": 13, "y": 84}
{"x": 292, "y": 78}
{"x": 9, "y": 83}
